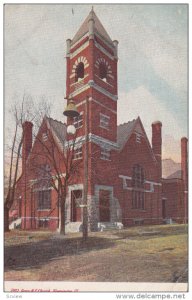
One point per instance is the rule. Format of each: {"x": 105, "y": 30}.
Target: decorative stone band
{"x": 104, "y": 51}
{"x": 98, "y": 102}
{"x": 111, "y": 46}
{"x": 94, "y": 139}
{"x": 152, "y": 184}
{"x": 96, "y": 44}
{"x": 84, "y": 36}
{"x": 102, "y": 90}
{"x": 91, "y": 83}
{"x": 105, "y": 81}
{"x": 40, "y": 218}
{"x": 76, "y": 52}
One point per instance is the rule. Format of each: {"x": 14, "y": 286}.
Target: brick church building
{"x": 125, "y": 184}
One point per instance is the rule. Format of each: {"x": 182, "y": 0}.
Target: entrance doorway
{"x": 104, "y": 205}
{"x": 76, "y": 200}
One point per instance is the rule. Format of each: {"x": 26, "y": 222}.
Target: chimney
{"x": 27, "y": 142}
{"x": 184, "y": 162}
{"x": 156, "y": 143}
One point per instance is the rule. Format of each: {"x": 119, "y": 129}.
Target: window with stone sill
{"x": 105, "y": 154}
{"x": 104, "y": 121}
{"x": 78, "y": 154}
{"x": 78, "y": 121}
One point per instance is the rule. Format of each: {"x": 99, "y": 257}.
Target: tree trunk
{"x": 62, "y": 215}
{"x": 6, "y": 219}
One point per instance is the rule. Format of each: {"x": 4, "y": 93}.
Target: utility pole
{"x": 85, "y": 212}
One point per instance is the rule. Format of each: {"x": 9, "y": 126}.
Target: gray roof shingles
{"x": 124, "y": 131}
{"x": 98, "y": 27}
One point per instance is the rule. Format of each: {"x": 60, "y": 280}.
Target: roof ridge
{"x": 126, "y": 122}
{"x": 55, "y": 120}
{"x": 98, "y": 27}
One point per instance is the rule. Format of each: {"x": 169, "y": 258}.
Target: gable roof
{"x": 58, "y": 129}
{"x": 98, "y": 28}
{"x": 124, "y": 132}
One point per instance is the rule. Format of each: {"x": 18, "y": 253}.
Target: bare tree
{"x": 58, "y": 154}
{"x": 15, "y": 154}
{"x": 20, "y": 112}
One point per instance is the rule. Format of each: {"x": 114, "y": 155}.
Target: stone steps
{"x": 73, "y": 227}
{"x": 15, "y": 224}
{"x": 104, "y": 226}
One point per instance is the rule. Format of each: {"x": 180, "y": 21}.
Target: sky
{"x": 152, "y": 66}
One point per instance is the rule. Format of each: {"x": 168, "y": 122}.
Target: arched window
{"x": 138, "y": 193}
{"x": 79, "y": 72}
{"x": 103, "y": 71}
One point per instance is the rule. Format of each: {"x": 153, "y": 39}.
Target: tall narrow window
{"x": 78, "y": 121}
{"x": 105, "y": 154}
{"x": 44, "y": 199}
{"x": 79, "y": 72}
{"x": 103, "y": 71}
{"x": 138, "y": 193}
{"x": 77, "y": 153}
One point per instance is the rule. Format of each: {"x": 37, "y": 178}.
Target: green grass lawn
{"x": 137, "y": 254}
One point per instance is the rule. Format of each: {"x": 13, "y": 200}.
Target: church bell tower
{"x": 92, "y": 73}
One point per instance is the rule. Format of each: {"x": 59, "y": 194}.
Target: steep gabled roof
{"x": 98, "y": 28}
{"x": 58, "y": 129}
{"x": 124, "y": 132}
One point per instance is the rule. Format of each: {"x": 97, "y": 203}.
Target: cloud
{"x": 140, "y": 102}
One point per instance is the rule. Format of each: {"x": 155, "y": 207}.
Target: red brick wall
{"x": 138, "y": 153}
{"x": 175, "y": 201}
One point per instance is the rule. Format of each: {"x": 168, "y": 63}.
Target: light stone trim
{"x": 94, "y": 139}
{"x": 152, "y": 184}
{"x": 91, "y": 83}
{"x": 103, "y": 142}
{"x": 78, "y": 82}
{"x": 76, "y": 43}
{"x": 115, "y": 210}
{"x": 104, "y": 81}
{"x": 41, "y": 218}
{"x": 81, "y": 48}
{"x": 102, "y": 90}
{"x": 104, "y": 51}
{"x": 105, "y": 42}
{"x": 94, "y": 100}
{"x": 80, "y": 90}
{"x": 80, "y": 59}
{"x": 111, "y": 76}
